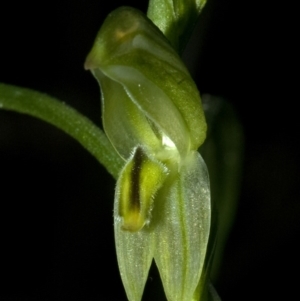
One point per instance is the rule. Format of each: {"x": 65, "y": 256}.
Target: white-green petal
{"x": 182, "y": 232}
{"x": 153, "y": 103}
{"x": 135, "y": 253}
{"x": 125, "y": 125}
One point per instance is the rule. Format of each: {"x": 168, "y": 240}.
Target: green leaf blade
{"x": 64, "y": 117}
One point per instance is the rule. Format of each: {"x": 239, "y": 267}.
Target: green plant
{"x": 175, "y": 166}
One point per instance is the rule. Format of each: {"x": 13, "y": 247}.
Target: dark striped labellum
{"x": 138, "y": 183}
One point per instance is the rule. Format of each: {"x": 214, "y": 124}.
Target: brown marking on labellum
{"x": 134, "y": 199}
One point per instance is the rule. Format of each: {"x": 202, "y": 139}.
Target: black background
{"x": 56, "y": 200}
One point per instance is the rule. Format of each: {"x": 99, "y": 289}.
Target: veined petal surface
{"x": 183, "y": 227}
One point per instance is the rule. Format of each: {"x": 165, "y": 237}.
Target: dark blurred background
{"x": 56, "y": 200}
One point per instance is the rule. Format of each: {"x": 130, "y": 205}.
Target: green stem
{"x": 65, "y": 118}
{"x": 176, "y": 19}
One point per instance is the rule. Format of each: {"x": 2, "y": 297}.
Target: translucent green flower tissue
{"x": 152, "y": 114}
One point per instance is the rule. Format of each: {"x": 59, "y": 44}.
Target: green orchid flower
{"x": 152, "y": 115}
